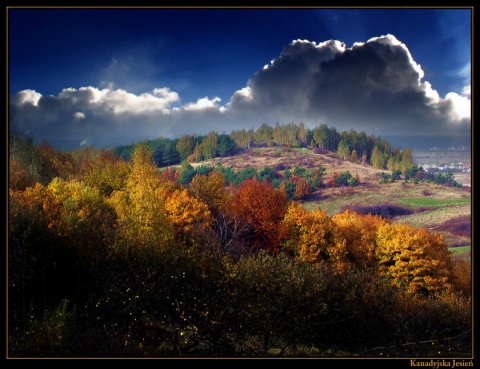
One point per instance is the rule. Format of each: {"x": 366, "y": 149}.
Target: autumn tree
{"x": 189, "y": 216}
{"x": 413, "y": 259}
{"x": 312, "y": 237}
{"x": 140, "y": 206}
{"x": 210, "y": 189}
{"x": 18, "y": 177}
{"x": 302, "y": 187}
{"x": 56, "y": 163}
{"x": 359, "y": 233}
{"x": 263, "y": 206}
{"x": 105, "y": 172}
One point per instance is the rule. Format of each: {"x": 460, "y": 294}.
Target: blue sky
{"x": 108, "y": 77}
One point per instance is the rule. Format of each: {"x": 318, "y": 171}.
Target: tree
{"x": 18, "y": 178}
{"x": 170, "y": 154}
{"x": 226, "y": 146}
{"x": 185, "y": 146}
{"x": 263, "y": 135}
{"x": 263, "y": 207}
{"x": 342, "y": 179}
{"x": 105, "y": 172}
{"x": 359, "y": 232}
{"x": 90, "y": 221}
{"x": 407, "y": 160}
{"x": 140, "y": 206}
{"x": 189, "y": 216}
{"x": 311, "y": 237}
{"x": 244, "y": 174}
{"x": 302, "y": 134}
{"x": 320, "y": 135}
{"x": 343, "y": 151}
{"x": 302, "y": 188}
{"x": 209, "y": 146}
{"x": 56, "y": 163}
{"x": 210, "y": 189}
{"x": 354, "y": 156}
{"x": 413, "y": 259}
{"x": 377, "y": 158}
{"x": 187, "y": 172}
{"x": 268, "y": 173}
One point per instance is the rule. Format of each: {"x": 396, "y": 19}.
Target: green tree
{"x": 377, "y": 158}
{"x": 185, "y": 146}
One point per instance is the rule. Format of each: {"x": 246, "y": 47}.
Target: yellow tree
{"x": 359, "y": 232}
{"x": 140, "y": 206}
{"x": 413, "y": 258}
{"x": 312, "y": 237}
{"x": 104, "y": 171}
{"x": 190, "y": 217}
{"x": 84, "y": 212}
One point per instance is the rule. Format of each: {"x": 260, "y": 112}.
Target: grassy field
{"x": 428, "y": 201}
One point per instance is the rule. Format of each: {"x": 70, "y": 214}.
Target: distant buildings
{"x": 453, "y": 167}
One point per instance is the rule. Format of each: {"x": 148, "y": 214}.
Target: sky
{"x": 105, "y": 77}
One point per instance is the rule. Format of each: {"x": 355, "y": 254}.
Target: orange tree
{"x": 312, "y": 237}
{"x": 263, "y": 207}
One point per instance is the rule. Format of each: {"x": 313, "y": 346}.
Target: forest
{"x": 116, "y": 253}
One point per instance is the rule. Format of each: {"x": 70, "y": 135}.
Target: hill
{"x": 440, "y": 208}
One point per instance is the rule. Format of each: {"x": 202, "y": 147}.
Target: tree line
{"x": 350, "y": 145}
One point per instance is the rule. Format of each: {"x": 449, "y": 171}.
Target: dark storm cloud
{"x": 375, "y": 87}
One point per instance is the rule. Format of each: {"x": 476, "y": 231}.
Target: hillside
{"x": 437, "y": 207}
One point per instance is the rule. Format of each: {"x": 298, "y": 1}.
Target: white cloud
{"x": 27, "y": 97}
{"x": 461, "y": 106}
{"x": 203, "y": 103}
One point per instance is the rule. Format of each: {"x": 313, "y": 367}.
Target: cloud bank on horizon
{"x": 374, "y": 86}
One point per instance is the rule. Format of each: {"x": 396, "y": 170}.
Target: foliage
{"x": 141, "y": 205}
{"x": 359, "y": 232}
{"x": 263, "y": 206}
{"x": 211, "y": 189}
{"x": 311, "y": 236}
{"x": 413, "y": 259}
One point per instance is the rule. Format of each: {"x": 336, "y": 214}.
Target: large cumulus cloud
{"x": 375, "y": 86}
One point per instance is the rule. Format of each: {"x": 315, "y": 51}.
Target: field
{"x": 439, "y": 208}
